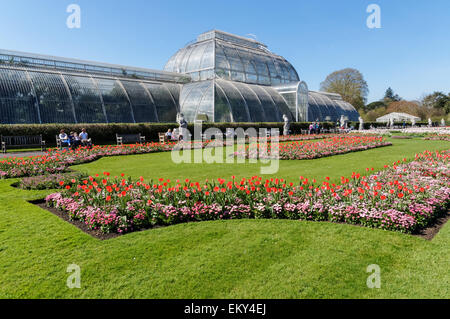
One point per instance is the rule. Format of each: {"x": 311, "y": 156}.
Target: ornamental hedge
{"x": 106, "y": 133}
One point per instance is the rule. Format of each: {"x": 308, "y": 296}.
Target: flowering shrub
{"x": 299, "y": 150}
{"x": 56, "y": 161}
{"x": 405, "y": 197}
{"x": 438, "y": 137}
{"x": 49, "y": 181}
{"x": 286, "y": 138}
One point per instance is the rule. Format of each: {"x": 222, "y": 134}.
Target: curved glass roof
{"x": 32, "y": 96}
{"x": 329, "y": 107}
{"x": 233, "y": 102}
{"x": 218, "y": 54}
{"x": 32, "y": 60}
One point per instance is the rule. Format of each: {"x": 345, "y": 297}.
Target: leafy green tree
{"x": 372, "y": 115}
{"x": 350, "y": 84}
{"x": 374, "y": 105}
{"x": 447, "y": 106}
{"x": 437, "y": 100}
{"x": 390, "y": 96}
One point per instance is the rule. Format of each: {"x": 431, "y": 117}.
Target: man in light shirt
{"x": 65, "y": 142}
{"x": 85, "y": 140}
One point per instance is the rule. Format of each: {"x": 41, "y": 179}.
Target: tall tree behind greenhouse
{"x": 350, "y": 84}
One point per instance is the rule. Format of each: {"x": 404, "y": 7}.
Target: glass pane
{"x": 165, "y": 107}
{"x": 281, "y": 106}
{"x": 54, "y": 101}
{"x": 195, "y": 58}
{"x": 208, "y": 56}
{"x": 238, "y": 106}
{"x": 143, "y": 106}
{"x": 221, "y": 107}
{"x": 205, "y": 107}
{"x": 268, "y": 104}
{"x": 17, "y": 102}
{"x": 88, "y": 104}
{"x": 117, "y": 106}
{"x": 254, "y": 106}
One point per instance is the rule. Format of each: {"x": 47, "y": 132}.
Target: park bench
{"x": 162, "y": 137}
{"x": 24, "y": 141}
{"x": 58, "y": 142}
{"x": 129, "y": 139}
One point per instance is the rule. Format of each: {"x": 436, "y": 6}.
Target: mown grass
{"x": 160, "y": 165}
{"x": 221, "y": 259}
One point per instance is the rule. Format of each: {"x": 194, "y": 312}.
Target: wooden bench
{"x": 162, "y": 137}
{"x": 129, "y": 139}
{"x": 24, "y": 141}
{"x": 58, "y": 142}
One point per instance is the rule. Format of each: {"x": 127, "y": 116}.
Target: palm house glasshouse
{"x": 220, "y": 77}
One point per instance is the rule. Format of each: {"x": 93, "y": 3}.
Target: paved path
{"x": 21, "y": 154}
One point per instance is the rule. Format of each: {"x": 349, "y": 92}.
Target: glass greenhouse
{"x": 218, "y": 78}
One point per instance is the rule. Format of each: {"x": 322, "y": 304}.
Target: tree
{"x": 389, "y": 96}
{"x": 372, "y": 115}
{"x": 374, "y": 105}
{"x": 409, "y": 107}
{"x": 437, "y": 100}
{"x": 350, "y": 84}
{"x": 447, "y": 105}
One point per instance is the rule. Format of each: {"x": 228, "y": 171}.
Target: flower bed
{"x": 299, "y": 150}
{"x": 48, "y": 181}
{"x": 406, "y": 197}
{"x": 309, "y": 137}
{"x": 438, "y": 137}
{"x": 57, "y": 161}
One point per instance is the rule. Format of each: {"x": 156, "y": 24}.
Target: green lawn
{"x": 221, "y": 259}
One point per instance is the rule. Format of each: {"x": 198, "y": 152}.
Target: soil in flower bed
{"x": 77, "y": 223}
{"x": 427, "y": 233}
{"x": 433, "y": 230}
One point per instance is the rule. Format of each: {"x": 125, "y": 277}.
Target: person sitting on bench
{"x": 65, "y": 142}
{"x": 175, "y": 134}
{"x": 85, "y": 140}
{"x": 75, "y": 140}
{"x": 168, "y": 135}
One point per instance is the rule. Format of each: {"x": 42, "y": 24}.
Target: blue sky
{"x": 410, "y": 53}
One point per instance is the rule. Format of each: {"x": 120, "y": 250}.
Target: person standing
{"x": 287, "y": 125}
{"x": 183, "y": 127}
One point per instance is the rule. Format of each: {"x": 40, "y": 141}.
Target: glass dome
{"x": 218, "y": 54}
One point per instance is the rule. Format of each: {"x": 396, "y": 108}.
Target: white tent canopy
{"x": 397, "y": 117}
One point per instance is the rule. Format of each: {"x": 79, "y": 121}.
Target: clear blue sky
{"x": 410, "y": 53}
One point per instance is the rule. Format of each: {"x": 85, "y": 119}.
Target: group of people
{"x": 315, "y": 128}
{"x": 179, "y": 133}
{"x": 172, "y": 135}
{"x": 75, "y": 140}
